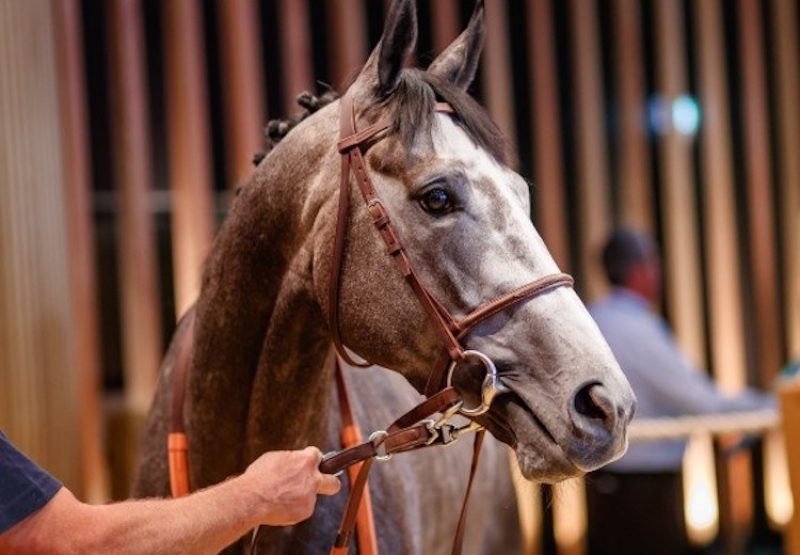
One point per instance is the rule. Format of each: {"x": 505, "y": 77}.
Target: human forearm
{"x": 280, "y": 488}
{"x": 205, "y": 522}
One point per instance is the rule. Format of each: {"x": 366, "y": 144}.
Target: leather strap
{"x": 351, "y": 436}
{"x": 458, "y": 540}
{"x": 406, "y": 433}
{"x": 497, "y": 305}
{"x": 436, "y": 378}
{"x": 400, "y": 436}
{"x": 350, "y": 146}
{"x": 177, "y": 442}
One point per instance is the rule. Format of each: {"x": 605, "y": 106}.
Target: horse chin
{"x": 540, "y": 457}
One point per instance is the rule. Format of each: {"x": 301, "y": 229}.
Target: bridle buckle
{"x": 447, "y": 433}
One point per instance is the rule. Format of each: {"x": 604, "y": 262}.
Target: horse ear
{"x": 382, "y": 70}
{"x": 459, "y": 62}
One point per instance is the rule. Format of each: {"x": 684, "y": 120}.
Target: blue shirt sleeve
{"x": 24, "y": 486}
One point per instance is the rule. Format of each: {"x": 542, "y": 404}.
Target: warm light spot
{"x": 569, "y": 516}
{"x": 701, "y": 507}
{"x": 777, "y": 493}
{"x": 529, "y": 506}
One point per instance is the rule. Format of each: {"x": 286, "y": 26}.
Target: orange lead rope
{"x": 177, "y": 442}
{"x": 351, "y": 436}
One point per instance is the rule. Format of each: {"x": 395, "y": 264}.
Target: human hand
{"x": 288, "y": 483}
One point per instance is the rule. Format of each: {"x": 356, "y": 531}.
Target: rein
{"x": 416, "y": 429}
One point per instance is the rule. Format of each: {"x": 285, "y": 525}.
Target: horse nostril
{"x": 592, "y": 402}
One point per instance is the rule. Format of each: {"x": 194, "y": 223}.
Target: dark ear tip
{"x": 397, "y": 42}
{"x": 405, "y": 7}
{"x": 479, "y": 11}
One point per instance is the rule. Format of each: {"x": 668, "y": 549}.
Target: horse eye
{"x": 437, "y": 201}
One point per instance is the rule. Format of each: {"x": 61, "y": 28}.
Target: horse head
{"x": 462, "y": 214}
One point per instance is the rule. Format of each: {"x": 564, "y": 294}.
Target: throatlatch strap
{"x": 351, "y": 436}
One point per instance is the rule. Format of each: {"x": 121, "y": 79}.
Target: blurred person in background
{"x": 636, "y": 504}
{"x": 39, "y": 515}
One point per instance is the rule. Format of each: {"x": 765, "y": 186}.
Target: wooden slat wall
{"x": 77, "y": 181}
{"x": 548, "y": 175}
{"x": 681, "y": 238}
{"x": 444, "y": 23}
{"x": 39, "y": 382}
{"x": 497, "y": 79}
{"x": 243, "y": 86}
{"x": 716, "y": 326}
{"x": 719, "y": 198}
{"x": 758, "y": 174}
{"x": 295, "y": 51}
{"x": 721, "y": 240}
{"x": 347, "y": 32}
{"x": 189, "y": 137}
{"x": 679, "y": 208}
{"x": 141, "y": 325}
{"x": 636, "y": 203}
{"x": 592, "y": 176}
{"x": 786, "y": 52}
{"x": 760, "y": 207}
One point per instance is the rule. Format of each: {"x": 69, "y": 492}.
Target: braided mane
{"x": 277, "y": 129}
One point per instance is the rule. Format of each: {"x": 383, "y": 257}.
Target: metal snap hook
{"x": 380, "y": 450}
{"x": 490, "y": 388}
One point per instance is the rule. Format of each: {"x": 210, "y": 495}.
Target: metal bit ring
{"x": 491, "y": 387}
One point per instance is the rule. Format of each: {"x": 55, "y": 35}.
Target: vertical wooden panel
{"x": 548, "y": 176}
{"x": 529, "y": 506}
{"x": 682, "y": 261}
{"x": 242, "y": 87}
{"x": 790, "y": 421}
{"x": 787, "y": 74}
{"x": 77, "y": 180}
{"x": 758, "y": 175}
{"x": 680, "y": 233}
{"x": 444, "y": 23}
{"x": 592, "y": 154}
{"x": 720, "y": 235}
{"x": 497, "y": 79}
{"x": 347, "y": 29}
{"x": 721, "y": 226}
{"x": 295, "y": 52}
{"x": 189, "y": 149}
{"x": 38, "y": 378}
{"x": 141, "y": 326}
{"x": 634, "y": 155}
{"x": 569, "y": 517}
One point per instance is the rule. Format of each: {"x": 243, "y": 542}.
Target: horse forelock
{"x": 411, "y": 105}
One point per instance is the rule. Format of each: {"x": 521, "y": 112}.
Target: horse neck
{"x": 259, "y": 378}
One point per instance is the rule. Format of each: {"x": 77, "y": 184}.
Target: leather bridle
{"x": 415, "y": 429}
